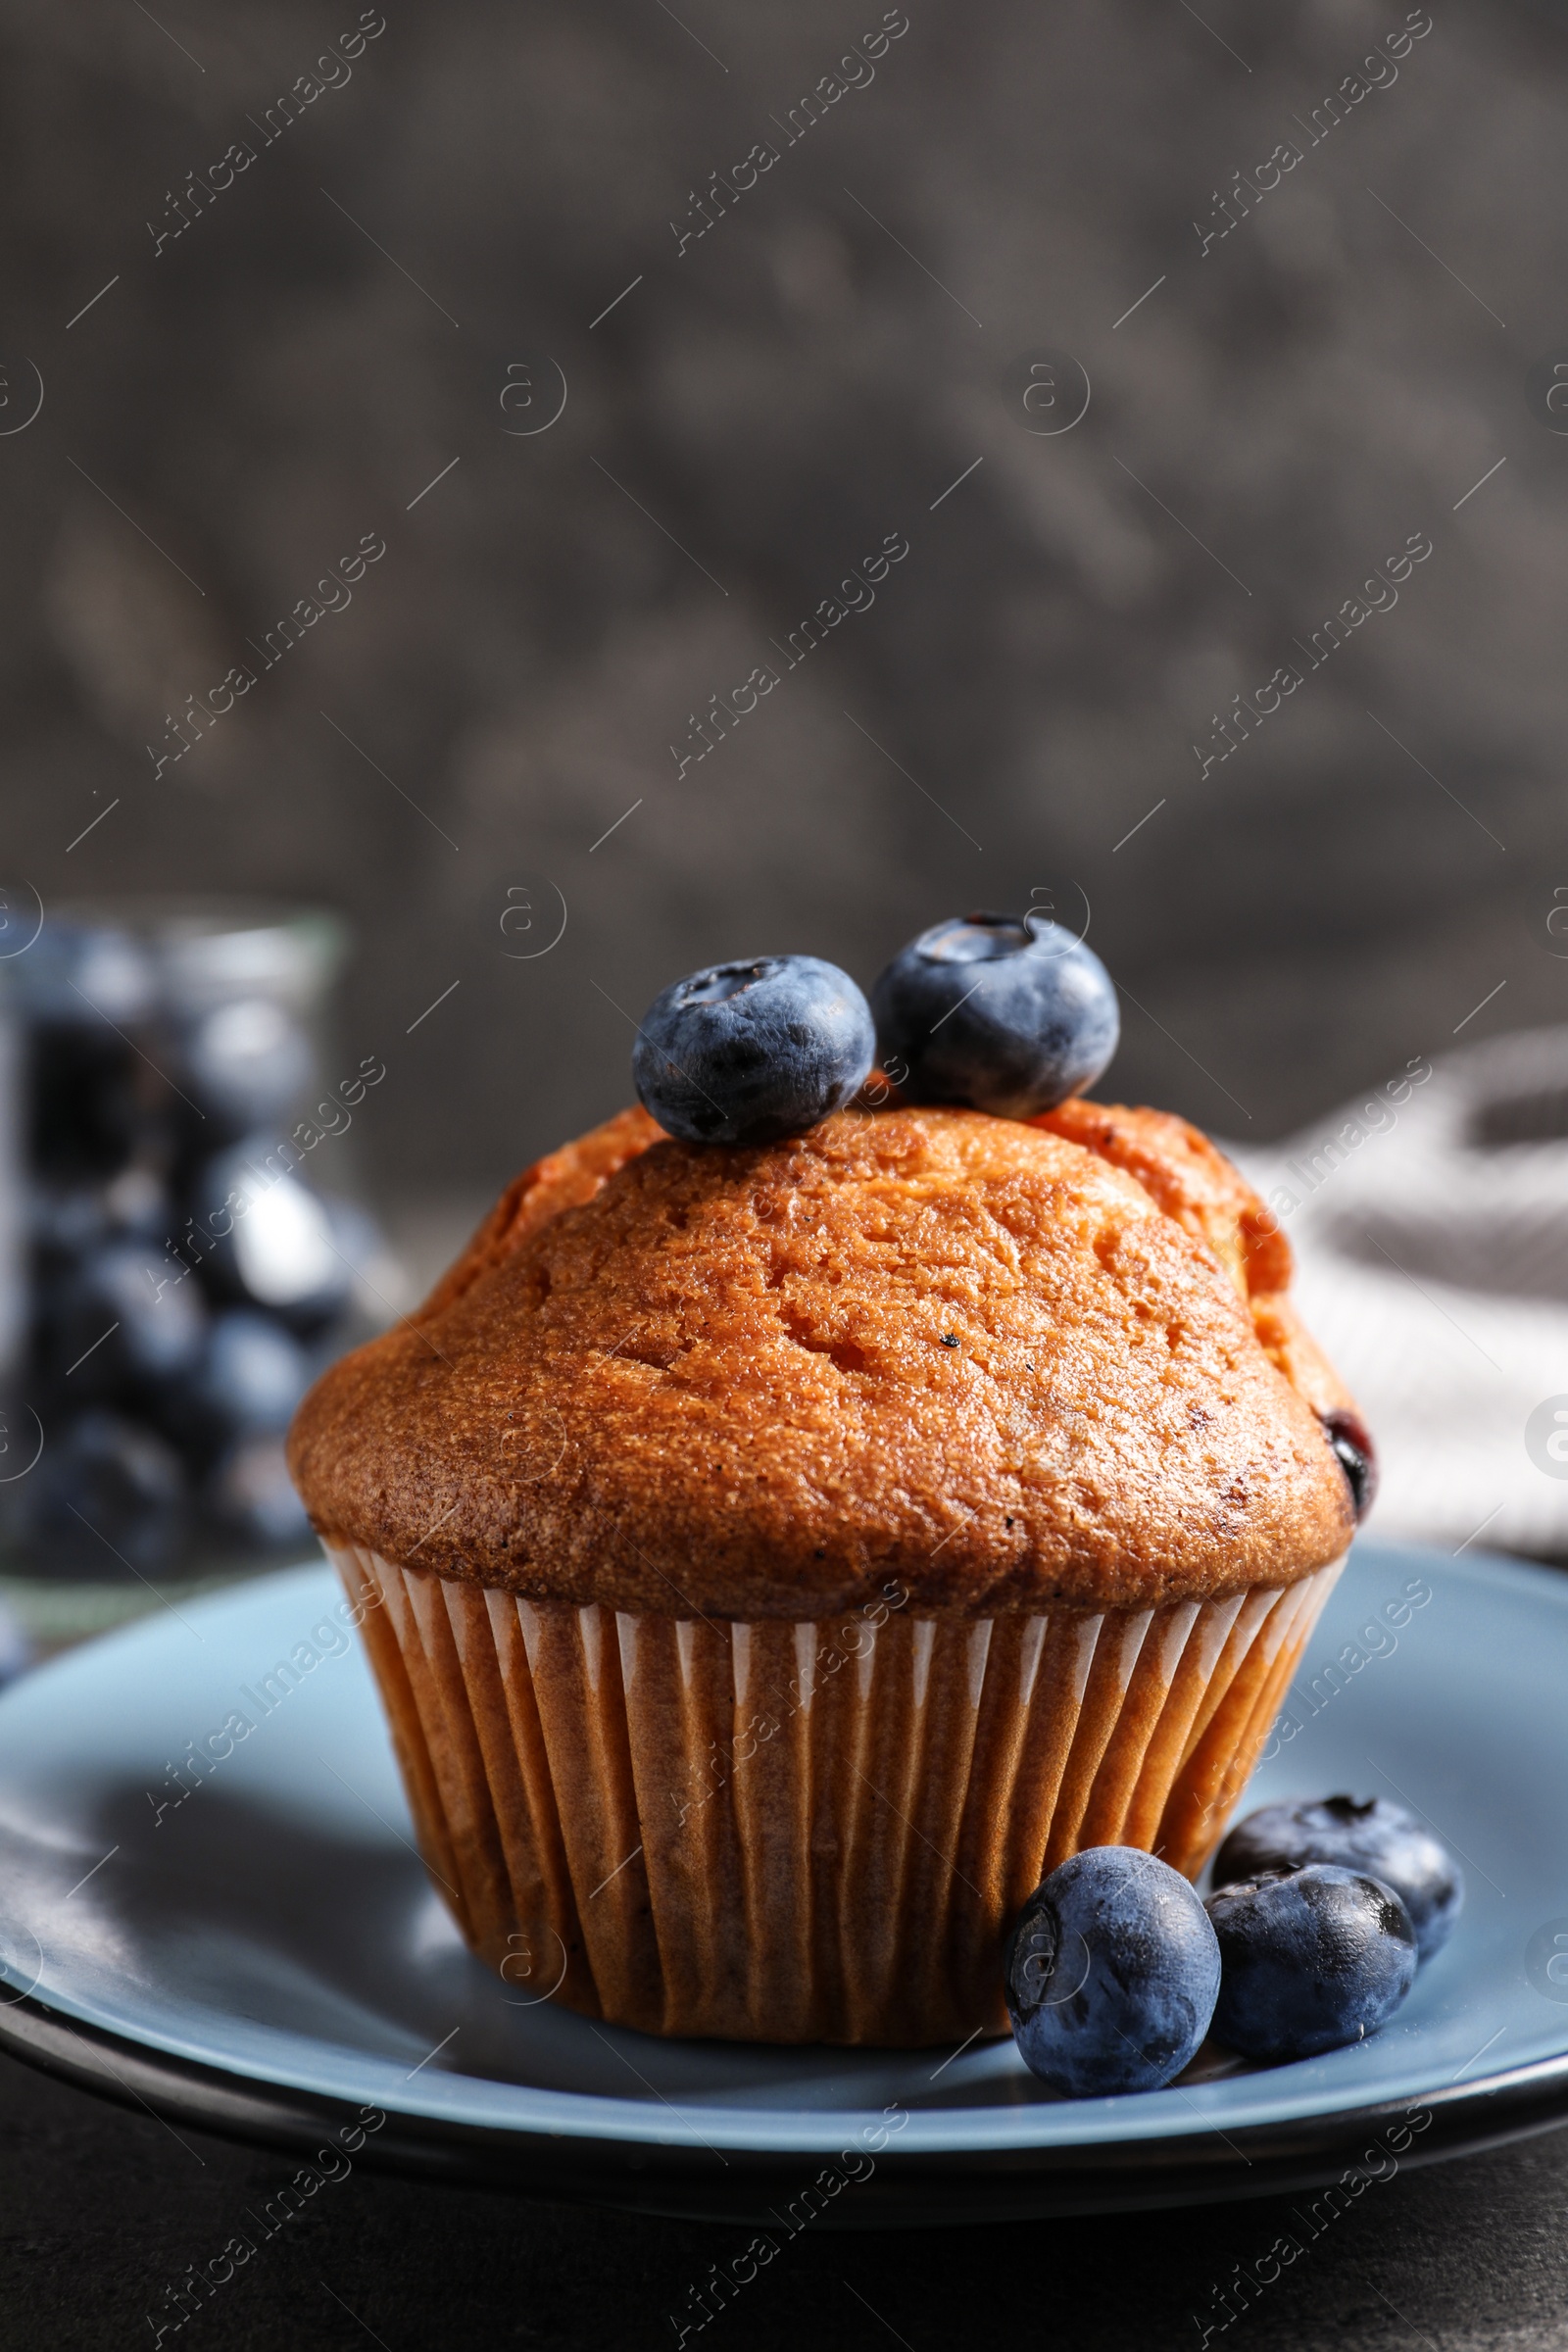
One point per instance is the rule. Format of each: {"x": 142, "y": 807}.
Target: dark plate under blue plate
{"x": 267, "y": 1957}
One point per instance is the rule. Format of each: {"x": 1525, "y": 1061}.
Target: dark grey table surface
{"x": 101, "y": 2209}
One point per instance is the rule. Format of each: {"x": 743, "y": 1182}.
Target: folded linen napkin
{"x": 1429, "y": 1218}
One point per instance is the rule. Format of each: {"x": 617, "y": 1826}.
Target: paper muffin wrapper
{"x": 801, "y": 1832}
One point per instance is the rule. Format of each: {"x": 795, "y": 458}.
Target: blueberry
{"x": 252, "y": 1374}
{"x": 256, "y": 1371}
{"x": 1310, "y": 1959}
{"x": 84, "y": 985}
{"x": 1348, "y": 1441}
{"x": 108, "y": 1498}
{"x": 243, "y": 1064}
{"x": 113, "y": 1332}
{"x": 86, "y": 1105}
{"x": 66, "y": 1222}
{"x": 1376, "y": 1837}
{"x": 1111, "y": 1974}
{"x": 87, "y": 971}
{"x": 746, "y": 1052}
{"x": 1008, "y": 1012}
{"x": 263, "y": 1239}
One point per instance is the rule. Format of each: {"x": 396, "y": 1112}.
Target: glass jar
{"x": 193, "y": 1254}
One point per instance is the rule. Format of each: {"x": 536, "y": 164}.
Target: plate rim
{"x": 905, "y": 2188}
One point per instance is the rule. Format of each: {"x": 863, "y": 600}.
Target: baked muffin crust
{"x": 1009, "y": 1365}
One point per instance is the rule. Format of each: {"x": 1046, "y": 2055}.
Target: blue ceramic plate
{"x": 264, "y": 1955}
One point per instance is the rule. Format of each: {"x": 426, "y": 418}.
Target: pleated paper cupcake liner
{"x": 801, "y": 1832}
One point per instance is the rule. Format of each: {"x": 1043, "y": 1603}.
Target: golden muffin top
{"x": 1006, "y": 1364}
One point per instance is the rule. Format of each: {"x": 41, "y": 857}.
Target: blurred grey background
{"x": 365, "y": 330}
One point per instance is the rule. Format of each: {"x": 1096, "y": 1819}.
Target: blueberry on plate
{"x": 1010, "y": 1013}
{"x": 1111, "y": 1974}
{"x": 746, "y": 1052}
{"x": 1382, "y": 1838}
{"x": 1309, "y": 1959}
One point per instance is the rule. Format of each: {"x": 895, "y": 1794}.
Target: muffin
{"x": 775, "y": 1556}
